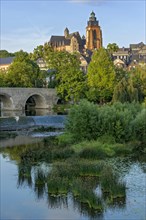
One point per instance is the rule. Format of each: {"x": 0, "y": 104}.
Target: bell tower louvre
{"x": 93, "y": 33}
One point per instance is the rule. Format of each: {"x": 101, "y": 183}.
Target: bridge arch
{"x": 36, "y": 101}
{"x": 6, "y": 101}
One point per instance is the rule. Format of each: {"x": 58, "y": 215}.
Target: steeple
{"x": 66, "y": 32}
{"x": 92, "y": 19}
{"x": 92, "y": 16}
{"x": 93, "y": 33}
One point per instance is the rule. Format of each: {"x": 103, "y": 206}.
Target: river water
{"x": 20, "y": 200}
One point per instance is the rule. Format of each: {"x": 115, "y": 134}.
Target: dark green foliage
{"x": 89, "y": 121}
{"x": 5, "y": 53}
{"x": 93, "y": 153}
{"x": 139, "y": 126}
{"x": 83, "y": 121}
{"x": 57, "y": 185}
{"x": 138, "y": 77}
{"x": 115, "y": 120}
{"x": 62, "y": 153}
{"x": 120, "y": 74}
{"x": 125, "y": 91}
{"x": 110, "y": 184}
{"x": 86, "y": 195}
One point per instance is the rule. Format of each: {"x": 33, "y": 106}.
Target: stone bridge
{"x": 22, "y": 98}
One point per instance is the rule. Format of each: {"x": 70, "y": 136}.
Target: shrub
{"x": 89, "y": 121}
{"x": 139, "y": 126}
{"x": 115, "y": 120}
{"x": 65, "y": 139}
{"x": 83, "y": 121}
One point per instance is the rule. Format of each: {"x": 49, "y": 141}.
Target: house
{"x": 122, "y": 54}
{"x": 6, "y": 62}
{"x": 42, "y": 64}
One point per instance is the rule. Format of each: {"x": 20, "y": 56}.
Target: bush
{"x": 65, "y": 139}
{"x": 89, "y": 121}
{"x": 115, "y": 122}
{"x": 83, "y": 121}
{"x": 139, "y": 126}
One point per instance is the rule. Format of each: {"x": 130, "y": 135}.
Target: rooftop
{"x": 6, "y": 60}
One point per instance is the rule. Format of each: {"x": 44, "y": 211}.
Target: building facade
{"x": 73, "y": 42}
{"x": 130, "y": 57}
{"x": 93, "y": 33}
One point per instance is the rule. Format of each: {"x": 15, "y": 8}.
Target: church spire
{"x": 93, "y": 33}
{"x": 66, "y": 32}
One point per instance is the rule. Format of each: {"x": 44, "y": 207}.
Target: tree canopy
{"x": 138, "y": 76}
{"x": 101, "y": 76}
{"x": 41, "y": 51}
{"x": 70, "y": 80}
{"x": 112, "y": 47}
{"x": 23, "y": 72}
{"x": 5, "y": 53}
{"x": 125, "y": 91}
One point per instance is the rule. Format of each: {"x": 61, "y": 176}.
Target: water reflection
{"x": 24, "y": 175}
{"x": 30, "y": 112}
{"x": 93, "y": 197}
{"x": 60, "y": 190}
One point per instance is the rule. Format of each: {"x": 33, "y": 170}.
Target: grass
{"x": 110, "y": 184}
{"x": 57, "y": 185}
{"x": 98, "y": 150}
{"x": 76, "y": 168}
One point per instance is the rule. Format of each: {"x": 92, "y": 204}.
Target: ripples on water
{"x": 22, "y": 201}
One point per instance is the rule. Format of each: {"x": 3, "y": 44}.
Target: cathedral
{"x": 73, "y": 42}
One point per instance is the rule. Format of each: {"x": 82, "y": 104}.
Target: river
{"x": 20, "y": 199}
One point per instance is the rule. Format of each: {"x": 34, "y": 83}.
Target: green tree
{"x": 101, "y": 77}
{"x": 125, "y": 91}
{"x": 5, "y": 53}
{"x": 112, "y": 47}
{"x": 70, "y": 80}
{"x": 38, "y": 52}
{"x": 120, "y": 74}
{"x": 138, "y": 76}
{"x": 23, "y": 72}
{"x": 3, "y": 78}
{"x": 41, "y": 51}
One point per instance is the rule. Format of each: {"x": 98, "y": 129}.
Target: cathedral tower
{"x": 93, "y": 33}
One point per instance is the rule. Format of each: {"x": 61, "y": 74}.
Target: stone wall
{"x": 15, "y": 98}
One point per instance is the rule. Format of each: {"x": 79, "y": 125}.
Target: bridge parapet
{"x": 16, "y": 98}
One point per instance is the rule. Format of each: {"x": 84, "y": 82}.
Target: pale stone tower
{"x": 93, "y": 33}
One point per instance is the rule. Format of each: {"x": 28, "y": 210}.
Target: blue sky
{"x": 27, "y": 24}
